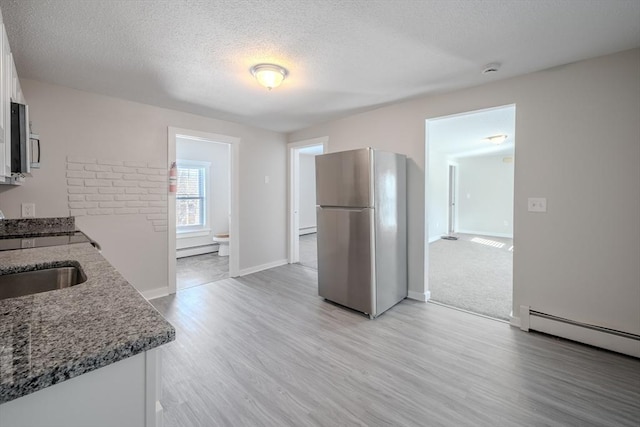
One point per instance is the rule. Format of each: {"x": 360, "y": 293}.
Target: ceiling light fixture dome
{"x": 495, "y": 139}
{"x": 269, "y": 75}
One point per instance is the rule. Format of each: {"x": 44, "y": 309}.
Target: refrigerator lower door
{"x": 345, "y": 266}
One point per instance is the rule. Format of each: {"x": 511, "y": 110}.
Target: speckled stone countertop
{"x": 27, "y": 227}
{"x": 54, "y": 336}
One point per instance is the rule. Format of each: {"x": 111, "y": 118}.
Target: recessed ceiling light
{"x": 495, "y": 139}
{"x": 269, "y": 75}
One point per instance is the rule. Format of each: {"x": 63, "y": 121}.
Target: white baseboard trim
{"x": 159, "y": 414}
{"x": 196, "y": 250}
{"x": 307, "y": 230}
{"x": 434, "y": 238}
{"x": 419, "y": 296}
{"x": 486, "y": 233}
{"x": 155, "y": 293}
{"x": 261, "y": 267}
{"x": 514, "y": 321}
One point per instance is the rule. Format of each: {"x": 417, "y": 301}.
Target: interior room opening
{"x": 469, "y": 192}
{"x": 303, "y": 242}
{"x": 202, "y": 211}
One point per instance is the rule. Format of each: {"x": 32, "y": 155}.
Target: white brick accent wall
{"x": 118, "y": 187}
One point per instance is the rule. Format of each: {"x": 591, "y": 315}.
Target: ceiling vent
{"x": 491, "y": 68}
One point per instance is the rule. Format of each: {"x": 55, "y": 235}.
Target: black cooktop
{"x": 40, "y": 240}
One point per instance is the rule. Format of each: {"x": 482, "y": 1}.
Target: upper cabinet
{"x": 4, "y": 114}
{"x": 10, "y": 90}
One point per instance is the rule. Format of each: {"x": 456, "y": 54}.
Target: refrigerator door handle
{"x": 342, "y": 208}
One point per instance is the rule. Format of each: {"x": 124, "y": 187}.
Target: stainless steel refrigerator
{"x": 362, "y": 229}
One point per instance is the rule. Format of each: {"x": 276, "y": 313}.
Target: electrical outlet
{"x": 537, "y": 204}
{"x": 28, "y": 243}
{"x": 28, "y": 210}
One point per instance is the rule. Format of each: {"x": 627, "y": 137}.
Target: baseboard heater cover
{"x": 196, "y": 250}
{"x": 611, "y": 339}
{"x": 585, "y": 325}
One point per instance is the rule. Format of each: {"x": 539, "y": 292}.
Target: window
{"x": 191, "y": 199}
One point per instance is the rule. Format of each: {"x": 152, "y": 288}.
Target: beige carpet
{"x": 474, "y": 273}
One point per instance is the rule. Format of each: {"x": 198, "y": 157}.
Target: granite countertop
{"x": 51, "y": 337}
{"x": 26, "y": 227}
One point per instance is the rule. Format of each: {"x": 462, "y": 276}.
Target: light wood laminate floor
{"x": 265, "y": 350}
{"x": 308, "y": 250}
{"x": 200, "y": 269}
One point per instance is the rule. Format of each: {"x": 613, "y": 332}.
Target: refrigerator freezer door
{"x": 344, "y": 179}
{"x": 344, "y": 257}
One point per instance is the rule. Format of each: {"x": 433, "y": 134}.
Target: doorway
{"x": 202, "y": 211}
{"x": 451, "y": 228}
{"x": 302, "y": 219}
{"x": 469, "y": 184}
{"x": 201, "y": 228}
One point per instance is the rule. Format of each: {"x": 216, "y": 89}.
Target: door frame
{"x": 427, "y": 202}
{"x": 453, "y": 198}
{"x": 293, "y": 174}
{"x": 234, "y": 206}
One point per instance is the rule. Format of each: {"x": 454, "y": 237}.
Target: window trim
{"x": 196, "y": 230}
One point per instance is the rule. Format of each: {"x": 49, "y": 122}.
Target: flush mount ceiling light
{"x": 495, "y": 139}
{"x": 269, "y": 75}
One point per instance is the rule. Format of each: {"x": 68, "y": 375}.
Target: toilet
{"x": 222, "y": 240}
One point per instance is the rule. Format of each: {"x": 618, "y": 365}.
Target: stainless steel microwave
{"x": 21, "y": 145}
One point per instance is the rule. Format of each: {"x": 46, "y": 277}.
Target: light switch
{"x": 266, "y": 179}
{"x": 537, "y": 204}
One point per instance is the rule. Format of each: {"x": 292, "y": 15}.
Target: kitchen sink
{"x": 40, "y": 280}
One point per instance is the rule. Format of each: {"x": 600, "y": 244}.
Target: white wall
{"x": 307, "y": 180}
{"x": 485, "y": 196}
{"x": 578, "y": 146}
{"x": 217, "y": 212}
{"x": 438, "y": 195}
{"x": 72, "y": 122}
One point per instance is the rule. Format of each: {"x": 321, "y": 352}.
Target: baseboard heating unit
{"x": 610, "y": 339}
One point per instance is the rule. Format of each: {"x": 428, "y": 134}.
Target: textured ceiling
{"x": 343, "y": 56}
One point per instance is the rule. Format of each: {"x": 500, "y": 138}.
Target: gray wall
{"x": 579, "y": 146}
{"x": 77, "y": 123}
{"x": 485, "y": 196}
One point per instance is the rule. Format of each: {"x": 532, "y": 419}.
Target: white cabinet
{"x": 16, "y": 89}
{"x": 125, "y": 393}
{"x": 6, "y": 81}
{"x": 10, "y": 90}
{"x": 4, "y": 105}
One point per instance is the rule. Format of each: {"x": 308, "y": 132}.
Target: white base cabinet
{"x": 125, "y": 394}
